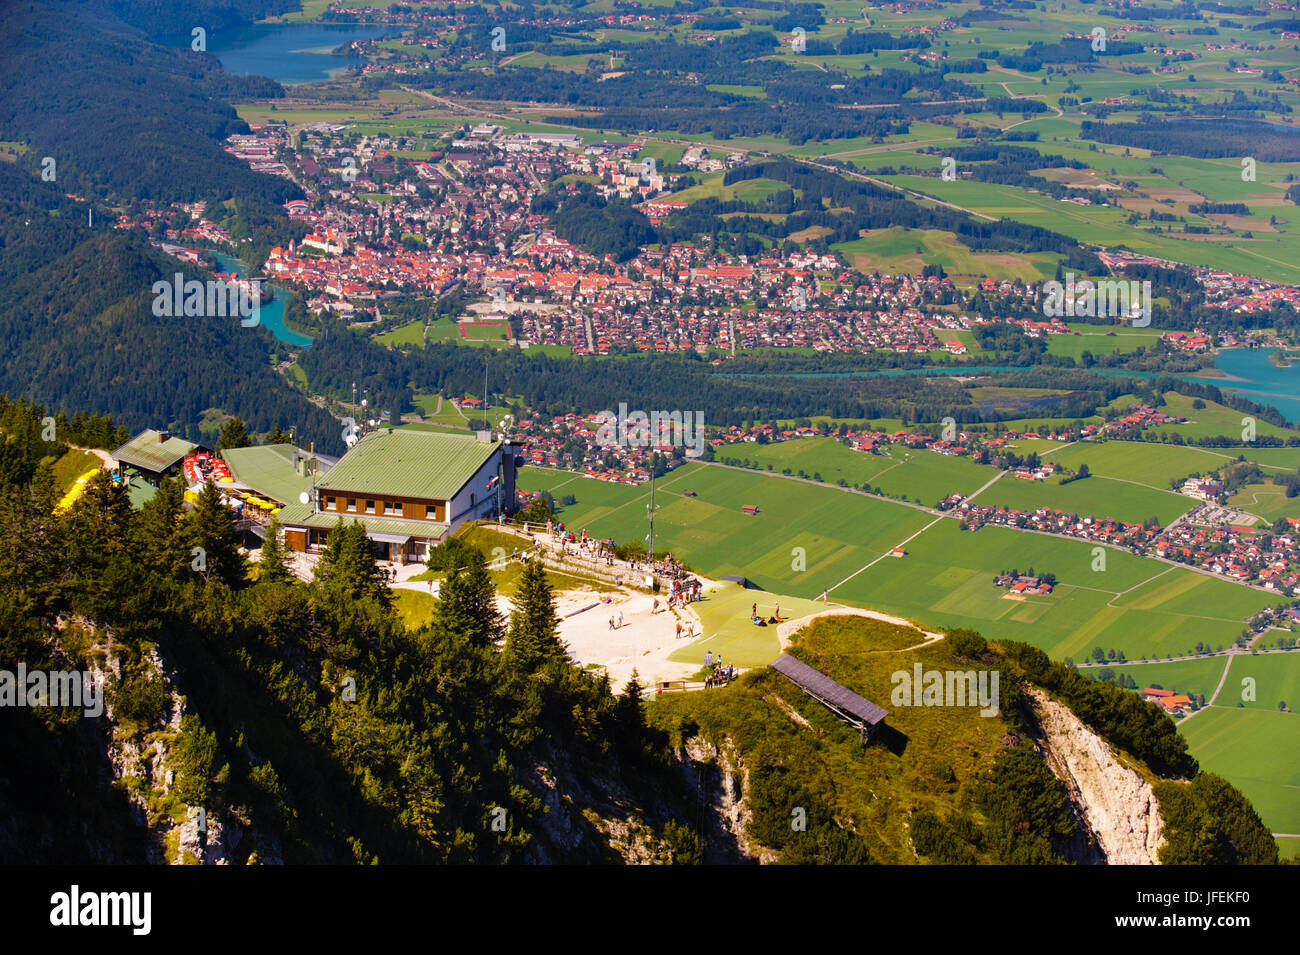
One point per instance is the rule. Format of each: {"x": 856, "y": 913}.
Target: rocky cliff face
{"x": 141, "y": 768}
{"x": 1115, "y": 804}
{"x": 597, "y": 818}
{"x": 723, "y": 810}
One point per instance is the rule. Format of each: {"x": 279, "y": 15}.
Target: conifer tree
{"x": 161, "y": 533}
{"x": 348, "y": 567}
{"x": 273, "y": 563}
{"x": 102, "y": 518}
{"x": 45, "y": 492}
{"x": 534, "y": 628}
{"x": 276, "y": 436}
{"x": 234, "y": 434}
{"x": 629, "y": 709}
{"x": 211, "y": 526}
{"x": 467, "y": 601}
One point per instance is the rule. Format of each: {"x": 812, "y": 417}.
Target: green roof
{"x": 418, "y": 464}
{"x": 268, "y": 469}
{"x": 146, "y": 451}
{"x": 298, "y": 514}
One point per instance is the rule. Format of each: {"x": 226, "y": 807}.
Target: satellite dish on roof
{"x": 304, "y": 497}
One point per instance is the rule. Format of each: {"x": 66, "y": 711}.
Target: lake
{"x": 1262, "y": 381}
{"x": 271, "y": 313}
{"x": 288, "y": 53}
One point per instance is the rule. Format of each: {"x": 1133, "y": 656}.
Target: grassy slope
{"x": 873, "y": 788}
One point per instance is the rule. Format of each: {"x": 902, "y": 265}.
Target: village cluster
{"x": 382, "y": 228}
{"x": 1271, "y": 561}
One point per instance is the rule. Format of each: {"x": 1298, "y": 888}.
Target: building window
{"x": 393, "y": 508}
{"x": 370, "y": 507}
{"x": 329, "y": 504}
{"x": 352, "y": 504}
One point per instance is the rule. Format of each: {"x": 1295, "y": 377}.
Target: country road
{"x": 1194, "y": 656}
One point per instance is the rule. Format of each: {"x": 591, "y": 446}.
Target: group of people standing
{"x": 682, "y": 592}
{"x": 720, "y": 673}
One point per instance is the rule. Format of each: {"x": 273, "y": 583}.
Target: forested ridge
{"x": 309, "y": 719}
{"x": 1202, "y": 138}
{"x": 79, "y": 333}
{"x": 125, "y": 120}
{"x": 314, "y": 721}
{"x": 121, "y": 115}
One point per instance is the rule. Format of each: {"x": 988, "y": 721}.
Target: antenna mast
{"x": 652, "y": 506}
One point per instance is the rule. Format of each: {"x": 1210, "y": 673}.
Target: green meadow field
{"x": 1278, "y": 459}
{"x": 917, "y": 475}
{"x": 808, "y": 538}
{"x": 908, "y": 250}
{"x": 1095, "y": 496}
{"x": 1269, "y": 501}
{"x": 411, "y": 333}
{"x": 1214, "y": 419}
{"x": 1101, "y": 340}
{"x": 1151, "y": 465}
{"x": 1255, "y": 750}
{"x": 727, "y": 629}
{"x": 1276, "y": 679}
{"x": 1184, "y": 676}
{"x": 824, "y": 456}
{"x": 946, "y": 580}
{"x": 927, "y": 477}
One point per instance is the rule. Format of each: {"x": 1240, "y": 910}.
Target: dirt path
{"x": 788, "y": 628}
{"x": 1217, "y": 690}
{"x": 105, "y": 458}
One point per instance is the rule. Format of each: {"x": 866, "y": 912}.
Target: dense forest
{"x": 310, "y": 719}
{"x": 868, "y": 207}
{"x": 122, "y": 116}
{"x": 79, "y": 334}
{"x": 605, "y": 227}
{"x": 1201, "y": 138}
{"x": 760, "y": 385}
{"x": 127, "y": 120}
{"x": 552, "y": 385}
{"x": 1070, "y": 50}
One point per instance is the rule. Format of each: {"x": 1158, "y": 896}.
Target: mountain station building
{"x": 410, "y": 489}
